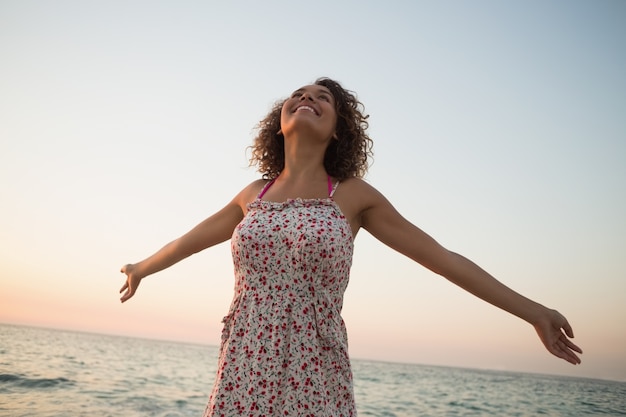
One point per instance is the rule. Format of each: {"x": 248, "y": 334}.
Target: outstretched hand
{"x": 555, "y": 333}
{"x": 131, "y": 283}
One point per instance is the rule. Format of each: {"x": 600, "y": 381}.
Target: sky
{"x": 499, "y": 128}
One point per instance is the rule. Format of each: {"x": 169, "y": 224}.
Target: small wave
{"x": 25, "y": 382}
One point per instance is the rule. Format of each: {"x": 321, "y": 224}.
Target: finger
{"x": 563, "y": 351}
{"x": 568, "y": 329}
{"x": 127, "y": 295}
{"x": 124, "y": 286}
{"x": 572, "y": 346}
{"x": 558, "y": 351}
{"x": 572, "y": 357}
{"x": 130, "y": 290}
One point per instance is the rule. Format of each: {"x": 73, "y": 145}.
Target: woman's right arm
{"x": 215, "y": 229}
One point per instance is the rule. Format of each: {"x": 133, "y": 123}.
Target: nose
{"x": 306, "y": 96}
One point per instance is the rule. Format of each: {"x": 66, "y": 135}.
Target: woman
{"x": 284, "y": 344}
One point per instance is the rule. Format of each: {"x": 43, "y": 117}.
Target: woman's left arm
{"x": 384, "y": 222}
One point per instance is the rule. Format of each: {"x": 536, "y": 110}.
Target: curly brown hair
{"x": 346, "y": 157}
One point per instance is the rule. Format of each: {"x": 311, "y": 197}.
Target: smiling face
{"x": 311, "y": 109}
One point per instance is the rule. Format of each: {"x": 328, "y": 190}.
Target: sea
{"x": 55, "y": 373}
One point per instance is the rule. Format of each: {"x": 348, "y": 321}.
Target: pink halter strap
{"x": 267, "y": 187}
{"x": 331, "y": 187}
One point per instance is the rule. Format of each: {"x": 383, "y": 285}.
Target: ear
{"x": 334, "y": 136}
{"x": 280, "y": 132}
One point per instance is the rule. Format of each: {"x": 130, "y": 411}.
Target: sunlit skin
{"x": 308, "y": 121}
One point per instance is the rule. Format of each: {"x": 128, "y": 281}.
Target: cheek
{"x": 283, "y": 113}
{"x": 333, "y": 111}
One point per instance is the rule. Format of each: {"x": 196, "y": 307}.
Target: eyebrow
{"x": 320, "y": 90}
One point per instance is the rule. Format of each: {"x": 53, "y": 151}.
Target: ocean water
{"x": 52, "y": 373}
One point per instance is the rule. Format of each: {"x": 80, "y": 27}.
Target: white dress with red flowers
{"x": 284, "y": 349}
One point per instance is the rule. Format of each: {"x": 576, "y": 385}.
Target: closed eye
{"x": 321, "y": 95}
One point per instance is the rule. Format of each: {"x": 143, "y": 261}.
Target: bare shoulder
{"x": 249, "y": 194}
{"x": 359, "y": 190}
{"x": 355, "y": 196}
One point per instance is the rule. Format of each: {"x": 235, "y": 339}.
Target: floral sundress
{"x": 284, "y": 348}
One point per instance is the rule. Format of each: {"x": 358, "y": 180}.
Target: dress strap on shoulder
{"x": 332, "y": 187}
{"x": 264, "y": 190}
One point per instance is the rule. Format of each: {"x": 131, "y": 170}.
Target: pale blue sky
{"x": 499, "y": 128}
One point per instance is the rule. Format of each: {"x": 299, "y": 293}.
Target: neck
{"x": 304, "y": 159}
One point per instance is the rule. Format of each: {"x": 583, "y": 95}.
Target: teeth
{"x": 306, "y": 108}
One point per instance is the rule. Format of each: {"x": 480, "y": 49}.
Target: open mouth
{"x": 306, "y": 108}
